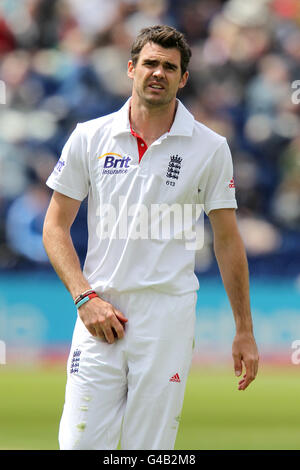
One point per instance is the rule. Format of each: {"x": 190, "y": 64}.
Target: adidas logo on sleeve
{"x": 175, "y": 378}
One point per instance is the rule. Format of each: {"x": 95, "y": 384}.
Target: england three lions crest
{"x": 173, "y": 170}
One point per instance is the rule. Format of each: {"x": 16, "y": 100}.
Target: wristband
{"x": 84, "y": 294}
{"x": 86, "y": 299}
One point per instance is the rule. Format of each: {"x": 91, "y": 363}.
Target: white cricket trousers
{"x": 132, "y": 389}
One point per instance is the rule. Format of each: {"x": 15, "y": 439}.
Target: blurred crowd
{"x": 65, "y": 61}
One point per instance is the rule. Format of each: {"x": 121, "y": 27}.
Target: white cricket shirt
{"x": 137, "y": 237}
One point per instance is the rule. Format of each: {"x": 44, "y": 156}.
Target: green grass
{"x": 218, "y": 416}
{"x": 31, "y": 402}
{"x": 215, "y": 414}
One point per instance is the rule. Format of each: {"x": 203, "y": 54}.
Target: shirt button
{"x": 142, "y": 145}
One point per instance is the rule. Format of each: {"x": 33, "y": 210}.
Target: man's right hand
{"x": 102, "y": 319}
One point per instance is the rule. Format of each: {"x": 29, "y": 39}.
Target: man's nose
{"x": 159, "y": 72}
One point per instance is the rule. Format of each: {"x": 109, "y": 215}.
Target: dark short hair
{"x": 164, "y": 36}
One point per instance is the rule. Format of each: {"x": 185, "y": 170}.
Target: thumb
{"x": 237, "y": 366}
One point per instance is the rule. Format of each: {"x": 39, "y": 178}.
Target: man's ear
{"x": 130, "y": 69}
{"x": 183, "y": 79}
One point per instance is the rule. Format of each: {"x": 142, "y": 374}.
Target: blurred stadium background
{"x": 63, "y": 62}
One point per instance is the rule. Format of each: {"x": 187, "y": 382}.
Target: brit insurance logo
{"x": 59, "y": 165}
{"x": 114, "y": 163}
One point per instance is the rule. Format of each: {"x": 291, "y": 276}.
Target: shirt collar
{"x": 183, "y": 124}
{"x": 121, "y": 122}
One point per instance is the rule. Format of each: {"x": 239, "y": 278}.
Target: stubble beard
{"x": 154, "y": 102}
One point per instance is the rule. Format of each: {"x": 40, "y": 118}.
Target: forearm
{"x": 64, "y": 259}
{"x": 100, "y": 318}
{"x": 233, "y": 267}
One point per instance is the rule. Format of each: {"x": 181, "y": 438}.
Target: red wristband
{"x": 91, "y": 296}
{"x": 85, "y": 299}
{"x": 82, "y": 296}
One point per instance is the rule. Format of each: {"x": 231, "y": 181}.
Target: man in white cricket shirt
{"x": 133, "y": 339}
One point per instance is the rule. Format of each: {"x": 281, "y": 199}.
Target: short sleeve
{"x": 219, "y": 192}
{"x": 70, "y": 175}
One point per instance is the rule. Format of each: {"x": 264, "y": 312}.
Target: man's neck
{"x": 151, "y": 122}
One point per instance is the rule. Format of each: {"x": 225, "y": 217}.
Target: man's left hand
{"x": 244, "y": 352}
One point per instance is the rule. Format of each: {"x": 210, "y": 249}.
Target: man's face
{"x": 157, "y": 75}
